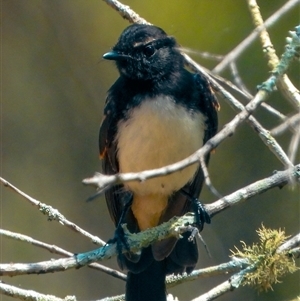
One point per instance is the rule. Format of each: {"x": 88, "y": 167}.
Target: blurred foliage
{"x": 54, "y": 84}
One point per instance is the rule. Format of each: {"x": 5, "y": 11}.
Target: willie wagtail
{"x": 156, "y": 113}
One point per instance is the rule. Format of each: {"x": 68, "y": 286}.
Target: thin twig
{"x": 237, "y": 79}
{"x": 290, "y": 244}
{"x": 126, "y": 12}
{"x": 234, "y": 265}
{"x": 294, "y": 145}
{"x": 284, "y": 83}
{"x": 29, "y": 295}
{"x": 207, "y": 178}
{"x": 273, "y": 111}
{"x": 217, "y": 291}
{"x": 239, "y": 49}
{"x": 203, "y": 54}
{"x": 53, "y": 214}
{"x": 292, "y": 122}
{"x": 289, "y": 176}
{"x": 265, "y": 40}
{"x": 60, "y": 251}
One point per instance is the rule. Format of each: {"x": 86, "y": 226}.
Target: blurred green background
{"x": 54, "y": 84}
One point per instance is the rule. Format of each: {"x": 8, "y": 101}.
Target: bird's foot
{"x": 201, "y": 215}
{"x": 120, "y": 240}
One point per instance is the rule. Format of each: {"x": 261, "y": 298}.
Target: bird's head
{"x": 145, "y": 52}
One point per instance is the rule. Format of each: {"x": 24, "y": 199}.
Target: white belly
{"x": 159, "y": 133}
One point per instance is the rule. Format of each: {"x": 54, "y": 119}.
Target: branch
{"x": 57, "y": 250}
{"x": 234, "y": 265}
{"x": 53, "y": 214}
{"x": 126, "y": 12}
{"x": 136, "y": 241}
{"x": 207, "y": 178}
{"x": 238, "y": 50}
{"x": 284, "y": 82}
{"x": 292, "y": 123}
{"x": 278, "y": 179}
{"x": 143, "y": 239}
{"x": 290, "y": 244}
{"x": 29, "y": 295}
{"x": 293, "y": 147}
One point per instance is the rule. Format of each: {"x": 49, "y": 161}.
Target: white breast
{"x": 158, "y": 133}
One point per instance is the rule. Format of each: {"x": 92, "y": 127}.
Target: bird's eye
{"x": 149, "y": 50}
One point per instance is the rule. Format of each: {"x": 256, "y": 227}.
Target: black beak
{"x": 114, "y": 56}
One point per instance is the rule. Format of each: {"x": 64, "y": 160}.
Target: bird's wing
{"x": 108, "y": 151}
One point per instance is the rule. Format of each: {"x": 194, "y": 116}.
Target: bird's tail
{"x": 148, "y": 285}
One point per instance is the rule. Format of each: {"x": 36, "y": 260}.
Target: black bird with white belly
{"x": 156, "y": 113}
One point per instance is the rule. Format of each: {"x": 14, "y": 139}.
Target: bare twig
{"x": 60, "y": 251}
{"x": 217, "y": 291}
{"x": 29, "y": 295}
{"x": 273, "y": 145}
{"x": 234, "y": 265}
{"x": 53, "y": 214}
{"x": 284, "y": 83}
{"x": 126, "y": 12}
{"x": 267, "y": 45}
{"x": 294, "y": 145}
{"x": 290, "y": 244}
{"x": 114, "y": 298}
{"x": 255, "y": 188}
{"x": 237, "y": 79}
{"x": 292, "y": 122}
{"x": 207, "y": 178}
{"x": 205, "y": 55}
{"x": 216, "y": 79}
{"x": 273, "y": 111}
{"x": 238, "y": 50}
{"x": 239, "y": 82}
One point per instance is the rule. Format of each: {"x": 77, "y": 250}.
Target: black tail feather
{"x": 148, "y": 285}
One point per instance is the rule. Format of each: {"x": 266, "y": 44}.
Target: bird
{"x": 156, "y": 113}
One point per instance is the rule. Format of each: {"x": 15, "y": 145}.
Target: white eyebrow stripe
{"x": 137, "y": 44}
